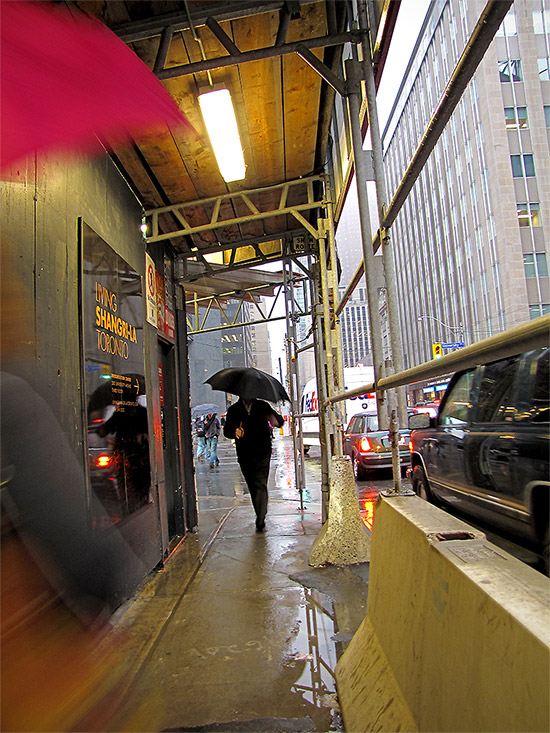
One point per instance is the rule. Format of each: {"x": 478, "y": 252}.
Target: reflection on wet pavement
{"x": 249, "y": 638}
{"x": 314, "y": 644}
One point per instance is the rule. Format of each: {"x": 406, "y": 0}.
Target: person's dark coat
{"x": 256, "y": 441}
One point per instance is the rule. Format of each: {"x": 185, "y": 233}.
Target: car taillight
{"x": 411, "y": 446}
{"x": 364, "y": 444}
{"x": 104, "y": 461}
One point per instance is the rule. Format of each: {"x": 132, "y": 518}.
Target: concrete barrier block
{"x": 463, "y": 627}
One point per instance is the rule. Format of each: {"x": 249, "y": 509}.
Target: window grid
{"x": 529, "y": 214}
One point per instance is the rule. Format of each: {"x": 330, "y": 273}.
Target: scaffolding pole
{"x": 397, "y": 397}
{"x": 293, "y": 375}
{"x": 353, "y": 75}
{"x": 320, "y": 371}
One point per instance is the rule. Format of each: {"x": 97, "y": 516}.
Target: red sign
{"x": 169, "y": 323}
{"x": 160, "y": 302}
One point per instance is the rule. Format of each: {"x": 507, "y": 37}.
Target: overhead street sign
{"x": 457, "y": 345}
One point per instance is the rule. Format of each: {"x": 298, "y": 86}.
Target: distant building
{"x": 236, "y": 342}
{"x": 354, "y": 322}
{"x": 205, "y": 359}
{"x": 354, "y": 329}
{"x": 259, "y": 341}
{"x": 471, "y": 242}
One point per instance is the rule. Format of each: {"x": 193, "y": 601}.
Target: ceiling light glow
{"x": 221, "y": 124}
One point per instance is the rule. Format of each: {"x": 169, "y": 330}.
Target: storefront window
{"x": 115, "y": 399}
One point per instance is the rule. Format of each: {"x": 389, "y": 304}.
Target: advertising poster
{"x": 115, "y": 398}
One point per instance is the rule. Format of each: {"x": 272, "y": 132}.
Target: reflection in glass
{"x": 116, "y": 405}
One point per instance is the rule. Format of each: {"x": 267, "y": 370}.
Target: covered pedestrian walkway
{"x": 237, "y": 632}
{"x": 227, "y": 629}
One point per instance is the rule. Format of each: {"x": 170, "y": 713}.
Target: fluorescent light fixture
{"x": 221, "y": 123}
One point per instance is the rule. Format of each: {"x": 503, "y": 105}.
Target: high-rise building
{"x": 236, "y": 342}
{"x": 354, "y": 323}
{"x": 354, "y": 329}
{"x": 471, "y": 242}
{"x": 259, "y": 340}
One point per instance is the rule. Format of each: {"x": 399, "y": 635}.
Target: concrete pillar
{"x": 343, "y": 539}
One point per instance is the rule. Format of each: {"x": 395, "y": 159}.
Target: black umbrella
{"x": 248, "y": 382}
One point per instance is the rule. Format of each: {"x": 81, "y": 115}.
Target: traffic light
{"x": 437, "y": 351}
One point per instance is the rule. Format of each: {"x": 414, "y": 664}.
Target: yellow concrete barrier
{"x": 457, "y": 632}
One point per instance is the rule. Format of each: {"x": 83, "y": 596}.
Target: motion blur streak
{"x": 60, "y": 581}
{"x": 68, "y": 78}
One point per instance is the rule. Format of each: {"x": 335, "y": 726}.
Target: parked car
{"x": 370, "y": 447}
{"x": 431, "y": 408}
{"x": 486, "y": 454}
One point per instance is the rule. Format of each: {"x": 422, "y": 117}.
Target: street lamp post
{"x": 453, "y": 329}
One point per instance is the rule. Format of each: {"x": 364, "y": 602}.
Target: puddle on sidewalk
{"x": 314, "y": 645}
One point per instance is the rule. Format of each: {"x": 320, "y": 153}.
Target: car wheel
{"x": 358, "y": 470}
{"x": 420, "y": 484}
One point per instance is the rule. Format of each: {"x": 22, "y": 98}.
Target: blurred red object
{"x": 65, "y": 78}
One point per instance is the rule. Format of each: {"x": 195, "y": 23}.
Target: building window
{"x": 544, "y": 70}
{"x": 529, "y": 214}
{"x": 523, "y": 166}
{"x": 535, "y": 264}
{"x": 508, "y": 27}
{"x": 547, "y": 114}
{"x": 536, "y": 311}
{"x": 516, "y": 118}
{"x": 510, "y": 70}
{"x": 541, "y": 20}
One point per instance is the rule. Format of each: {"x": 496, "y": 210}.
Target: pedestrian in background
{"x": 211, "y": 433}
{"x": 250, "y": 423}
{"x": 201, "y": 440}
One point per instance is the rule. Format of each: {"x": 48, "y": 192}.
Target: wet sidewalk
{"x": 237, "y": 632}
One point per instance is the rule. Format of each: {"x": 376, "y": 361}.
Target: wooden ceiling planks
{"x": 277, "y": 105}
{"x": 262, "y": 98}
{"x": 301, "y": 112}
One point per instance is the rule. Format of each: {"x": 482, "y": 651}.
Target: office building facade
{"x": 354, "y": 330}
{"x": 471, "y": 242}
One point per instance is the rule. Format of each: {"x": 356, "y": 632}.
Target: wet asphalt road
{"x": 227, "y": 480}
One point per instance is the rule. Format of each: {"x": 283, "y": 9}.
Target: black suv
{"x": 486, "y": 454}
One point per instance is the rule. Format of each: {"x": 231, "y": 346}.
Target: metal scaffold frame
{"x": 216, "y": 205}
{"x": 321, "y": 270}
{"x": 307, "y": 257}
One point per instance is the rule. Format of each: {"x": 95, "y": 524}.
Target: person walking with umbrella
{"x": 211, "y": 434}
{"x": 249, "y": 423}
{"x": 201, "y": 440}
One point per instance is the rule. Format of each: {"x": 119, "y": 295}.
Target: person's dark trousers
{"x": 256, "y": 475}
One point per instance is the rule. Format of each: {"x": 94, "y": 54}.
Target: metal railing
{"x": 532, "y": 335}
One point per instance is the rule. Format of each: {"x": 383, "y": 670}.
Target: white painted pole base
{"x": 343, "y": 539}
